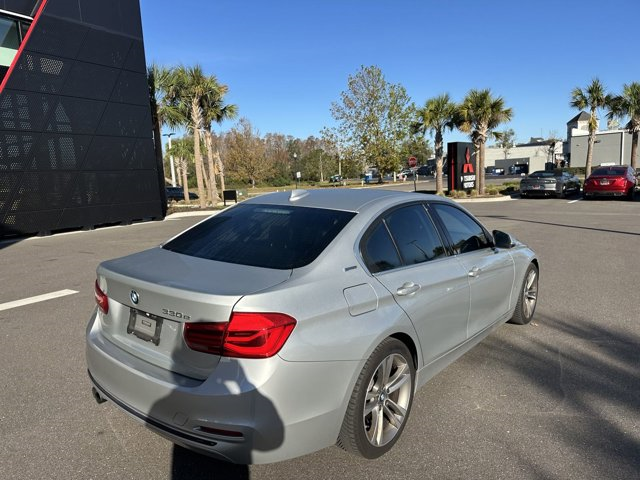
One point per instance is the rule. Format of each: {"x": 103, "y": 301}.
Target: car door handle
{"x": 408, "y": 288}
{"x": 475, "y": 272}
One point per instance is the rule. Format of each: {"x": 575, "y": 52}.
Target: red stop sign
{"x": 413, "y": 161}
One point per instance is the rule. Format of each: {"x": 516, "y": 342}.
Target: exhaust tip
{"x": 96, "y": 395}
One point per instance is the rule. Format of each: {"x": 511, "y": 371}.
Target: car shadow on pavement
{"x": 188, "y": 465}
{"x": 230, "y": 402}
{"x": 587, "y": 376}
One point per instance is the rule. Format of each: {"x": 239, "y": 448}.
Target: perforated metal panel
{"x": 76, "y": 144}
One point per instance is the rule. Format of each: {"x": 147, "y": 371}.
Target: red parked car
{"x": 610, "y": 181}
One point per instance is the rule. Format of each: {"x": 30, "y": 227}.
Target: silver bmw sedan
{"x": 297, "y": 320}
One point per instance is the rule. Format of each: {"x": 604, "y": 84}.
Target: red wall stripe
{"x": 24, "y": 42}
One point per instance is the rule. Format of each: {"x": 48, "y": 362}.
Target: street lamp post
{"x": 173, "y": 168}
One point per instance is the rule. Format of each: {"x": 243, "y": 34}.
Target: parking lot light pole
{"x": 295, "y": 162}
{"x": 173, "y": 168}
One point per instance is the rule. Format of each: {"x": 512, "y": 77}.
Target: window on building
{"x": 12, "y": 32}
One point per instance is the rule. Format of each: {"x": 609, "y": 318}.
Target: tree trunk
{"x": 213, "y": 187}
{"x": 439, "y": 154}
{"x": 634, "y": 149}
{"x": 480, "y": 168}
{"x": 220, "y": 166}
{"x": 185, "y": 181}
{"x": 207, "y": 181}
{"x": 196, "y": 118}
{"x": 590, "y": 144}
{"x": 178, "y": 172}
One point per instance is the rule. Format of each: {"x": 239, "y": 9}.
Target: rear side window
{"x": 405, "y": 236}
{"x": 415, "y": 235}
{"x": 465, "y": 233}
{"x": 379, "y": 252}
{"x": 269, "y": 236}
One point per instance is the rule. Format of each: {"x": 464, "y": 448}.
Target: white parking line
{"x": 574, "y": 201}
{"x": 36, "y": 299}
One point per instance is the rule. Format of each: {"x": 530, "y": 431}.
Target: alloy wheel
{"x": 387, "y": 400}
{"x": 530, "y": 293}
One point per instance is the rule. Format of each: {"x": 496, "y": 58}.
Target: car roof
{"x": 350, "y": 199}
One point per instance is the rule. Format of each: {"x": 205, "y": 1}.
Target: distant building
{"x": 611, "y": 146}
{"x": 536, "y": 153}
{"x": 580, "y": 122}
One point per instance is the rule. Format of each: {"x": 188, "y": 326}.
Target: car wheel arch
{"x": 410, "y": 344}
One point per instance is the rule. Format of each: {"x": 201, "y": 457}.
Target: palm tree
{"x": 163, "y": 110}
{"x": 593, "y": 97}
{"x": 215, "y": 110}
{"x": 191, "y": 85}
{"x": 628, "y": 105}
{"x": 437, "y": 114}
{"x": 479, "y": 115}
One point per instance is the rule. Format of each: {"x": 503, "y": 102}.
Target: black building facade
{"x": 76, "y": 142}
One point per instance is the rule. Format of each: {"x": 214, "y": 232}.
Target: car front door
{"x": 490, "y": 270}
{"x": 406, "y": 254}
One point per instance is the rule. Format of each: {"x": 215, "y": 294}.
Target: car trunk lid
{"x": 153, "y": 293}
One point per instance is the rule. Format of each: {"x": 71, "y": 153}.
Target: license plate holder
{"x": 604, "y": 182}
{"x": 146, "y": 326}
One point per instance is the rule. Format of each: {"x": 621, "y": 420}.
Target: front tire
{"x": 528, "y": 297}
{"x": 381, "y": 401}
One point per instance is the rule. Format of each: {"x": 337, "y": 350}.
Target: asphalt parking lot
{"x": 556, "y": 399}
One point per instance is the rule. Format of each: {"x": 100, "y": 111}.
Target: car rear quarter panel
{"x": 328, "y": 327}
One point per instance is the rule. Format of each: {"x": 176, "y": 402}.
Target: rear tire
{"x": 381, "y": 401}
{"x": 527, "y": 298}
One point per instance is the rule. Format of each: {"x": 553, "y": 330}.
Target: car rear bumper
{"x": 604, "y": 193}
{"x": 538, "y": 190}
{"x": 255, "y": 411}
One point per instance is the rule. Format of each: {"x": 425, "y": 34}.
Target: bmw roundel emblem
{"x": 135, "y": 298}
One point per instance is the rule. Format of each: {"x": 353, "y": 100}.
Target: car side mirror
{"x": 503, "y": 239}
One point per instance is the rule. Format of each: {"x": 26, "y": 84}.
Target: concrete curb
{"x": 497, "y": 198}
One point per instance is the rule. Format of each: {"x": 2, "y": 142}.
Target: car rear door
{"x": 407, "y": 256}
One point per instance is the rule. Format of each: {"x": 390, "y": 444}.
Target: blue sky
{"x": 285, "y": 61}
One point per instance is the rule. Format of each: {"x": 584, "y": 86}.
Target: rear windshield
{"x": 609, "y": 171}
{"x": 542, "y": 174}
{"x": 269, "y": 236}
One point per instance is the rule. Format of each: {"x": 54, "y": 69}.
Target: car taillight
{"x": 101, "y": 299}
{"x": 246, "y": 335}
